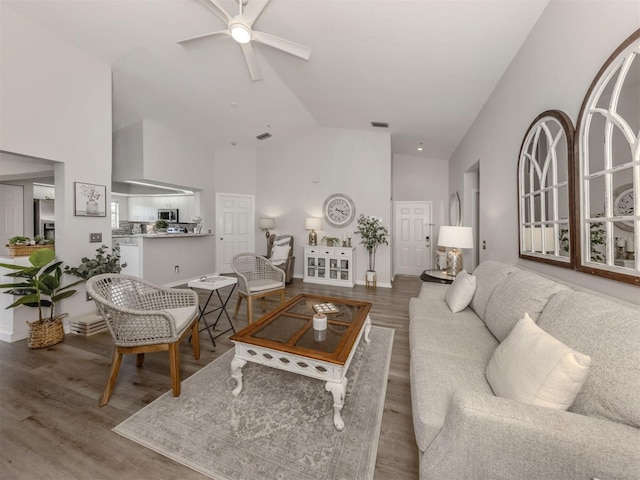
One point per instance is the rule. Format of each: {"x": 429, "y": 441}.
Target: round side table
{"x": 436, "y": 276}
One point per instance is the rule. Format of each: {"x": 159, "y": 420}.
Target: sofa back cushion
{"x": 609, "y": 333}
{"x": 488, "y": 275}
{"x": 518, "y": 293}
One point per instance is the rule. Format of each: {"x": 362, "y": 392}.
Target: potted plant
{"x": 330, "y": 241}
{"x": 103, "y": 262}
{"x": 161, "y": 225}
{"x": 373, "y": 234}
{"x": 22, "y": 246}
{"x": 39, "y": 287}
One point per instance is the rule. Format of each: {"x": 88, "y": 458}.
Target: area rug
{"x": 279, "y": 427}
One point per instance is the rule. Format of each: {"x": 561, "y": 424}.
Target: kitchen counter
{"x": 173, "y": 261}
{"x": 164, "y": 235}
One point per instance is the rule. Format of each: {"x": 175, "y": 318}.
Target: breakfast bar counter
{"x": 176, "y": 259}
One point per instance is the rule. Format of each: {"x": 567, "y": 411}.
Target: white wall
{"x": 294, "y": 178}
{"x": 56, "y": 105}
{"x": 553, "y": 70}
{"x": 423, "y": 179}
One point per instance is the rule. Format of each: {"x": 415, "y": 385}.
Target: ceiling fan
{"x": 240, "y": 29}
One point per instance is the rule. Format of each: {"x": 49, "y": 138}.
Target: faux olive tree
{"x": 372, "y": 234}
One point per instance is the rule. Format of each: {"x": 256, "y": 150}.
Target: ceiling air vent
{"x": 380, "y": 124}
{"x": 263, "y": 136}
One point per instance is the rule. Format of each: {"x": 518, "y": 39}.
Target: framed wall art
{"x": 90, "y": 200}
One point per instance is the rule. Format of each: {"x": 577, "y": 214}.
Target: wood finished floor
{"x": 52, "y": 428}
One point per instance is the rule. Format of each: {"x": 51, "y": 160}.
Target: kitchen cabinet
{"x": 142, "y": 210}
{"x": 145, "y": 209}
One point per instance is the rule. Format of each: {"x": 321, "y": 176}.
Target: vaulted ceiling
{"x": 426, "y": 67}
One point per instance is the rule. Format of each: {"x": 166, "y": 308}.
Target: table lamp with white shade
{"x": 455, "y": 238}
{"x": 313, "y": 224}
{"x": 266, "y": 224}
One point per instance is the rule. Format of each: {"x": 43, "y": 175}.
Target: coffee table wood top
{"x": 289, "y": 328}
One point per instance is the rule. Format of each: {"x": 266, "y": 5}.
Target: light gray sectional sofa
{"x": 464, "y": 431}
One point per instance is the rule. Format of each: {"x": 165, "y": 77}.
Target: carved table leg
{"x": 236, "y": 374}
{"x": 367, "y": 329}
{"x": 339, "y": 391}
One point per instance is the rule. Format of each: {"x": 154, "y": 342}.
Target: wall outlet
{"x": 95, "y": 237}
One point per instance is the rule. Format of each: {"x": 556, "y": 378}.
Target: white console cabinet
{"x": 329, "y": 265}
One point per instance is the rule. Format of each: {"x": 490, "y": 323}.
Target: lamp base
{"x": 454, "y": 262}
{"x": 313, "y": 238}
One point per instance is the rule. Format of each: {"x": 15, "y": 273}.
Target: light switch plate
{"x": 95, "y": 237}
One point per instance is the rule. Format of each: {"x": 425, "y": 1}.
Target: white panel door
{"x": 11, "y": 211}
{"x": 412, "y": 237}
{"x": 234, "y": 227}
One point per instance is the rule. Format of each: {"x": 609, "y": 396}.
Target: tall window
{"x": 115, "y": 214}
{"x": 544, "y": 189}
{"x": 608, "y": 179}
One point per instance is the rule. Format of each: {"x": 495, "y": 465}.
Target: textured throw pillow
{"x": 279, "y": 254}
{"x": 461, "y": 292}
{"x": 533, "y": 367}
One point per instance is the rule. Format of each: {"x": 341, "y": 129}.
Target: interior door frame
{"x": 218, "y": 234}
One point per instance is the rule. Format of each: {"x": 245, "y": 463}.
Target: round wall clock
{"x": 623, "y": 205}
{"x": 338, "y": 210}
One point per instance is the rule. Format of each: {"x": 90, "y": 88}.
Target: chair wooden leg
{"x": 281, "y": 297}
{"x": 264, "y": 304}
{"x": 235, "y": 314}
{"x": 174, "y": 366}
{"x": 249, "y": 310}
{"x": 139, "y": 359}
{"x": 195, "y": 340}
{"x": 113, "y": 374}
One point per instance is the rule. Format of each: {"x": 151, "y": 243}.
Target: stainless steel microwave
{"x": 168, "y": 214}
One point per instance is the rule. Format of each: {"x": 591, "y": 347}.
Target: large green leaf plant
{"x": 38, "y": 284}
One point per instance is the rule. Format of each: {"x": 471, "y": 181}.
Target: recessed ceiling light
{"x": 420, "y": 148}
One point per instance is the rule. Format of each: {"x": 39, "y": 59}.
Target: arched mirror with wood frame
{"x": 607, "y": 224}
{"x": 545, "y": 191}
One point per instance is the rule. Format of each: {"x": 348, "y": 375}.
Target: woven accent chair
{"x": 257, "y": 278}
{"x": 143, "y": 317}
{"x": 280, "y": 252}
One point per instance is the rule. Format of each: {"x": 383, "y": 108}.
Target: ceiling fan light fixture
{"x": 240, "y": 32}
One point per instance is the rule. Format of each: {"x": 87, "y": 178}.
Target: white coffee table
{"x": 285, "y": 339}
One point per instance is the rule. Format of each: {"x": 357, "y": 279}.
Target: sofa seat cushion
{"x": 489, "y": 274}
{"x": 609, "y": 332}
{"x": 435, "y": 377}
{"x": 531, "y": 366}
{"x": 521, "y": 292}
{"x": 463, "y": 335}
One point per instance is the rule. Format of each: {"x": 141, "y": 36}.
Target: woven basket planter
{"x": 47, "y": 333}
{"x": 25, "y": 250}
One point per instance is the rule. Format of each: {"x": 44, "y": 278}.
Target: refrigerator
{"x": 44, "y": 218}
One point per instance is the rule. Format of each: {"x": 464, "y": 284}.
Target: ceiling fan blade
{"x": 217, "y": 9}
{"x": 204, "y": 35}
{"x": 252, "y": 11}
{"x": 252, "y": 62}
{"x": 287, "y": 46}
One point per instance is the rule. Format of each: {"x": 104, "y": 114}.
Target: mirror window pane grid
{"x": 609, "y": 167}
{"x": 543, "y": 177}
